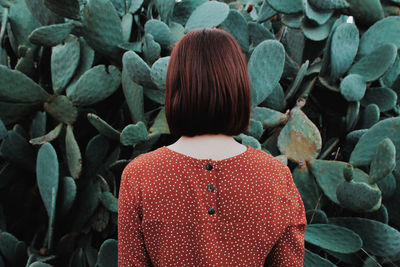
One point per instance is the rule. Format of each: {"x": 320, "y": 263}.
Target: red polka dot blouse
{"x": 176, "y": 210}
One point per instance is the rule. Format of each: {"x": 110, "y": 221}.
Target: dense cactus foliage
{"x": 82, "y": 92}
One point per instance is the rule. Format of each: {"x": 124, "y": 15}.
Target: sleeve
{"x": 290, "y": 247}
{"x": 131, "y": 247}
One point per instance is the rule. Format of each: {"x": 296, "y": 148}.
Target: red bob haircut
{"x": 207, "y": 88}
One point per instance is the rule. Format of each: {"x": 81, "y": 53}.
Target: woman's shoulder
{"x": 256, "y": 159}
{"x": 143, "y": 160}
{"x": 270, "y": 162}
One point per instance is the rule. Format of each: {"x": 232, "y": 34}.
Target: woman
{"x": 207, "y": 200}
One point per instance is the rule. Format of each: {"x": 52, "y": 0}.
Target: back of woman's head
{"x": 207, "y": 85}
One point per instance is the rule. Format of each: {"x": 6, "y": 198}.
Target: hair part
{"x": 207, "y": 88}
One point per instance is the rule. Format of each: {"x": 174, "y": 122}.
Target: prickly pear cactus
{"x": 82, "y": 86}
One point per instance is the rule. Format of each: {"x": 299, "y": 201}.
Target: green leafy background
{"x": 82, "y": 86}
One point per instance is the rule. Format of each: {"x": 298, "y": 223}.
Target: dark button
{"x": 209, "y": 166}
{"x": 210, "y": 187}
{"x": 211, "y": 210}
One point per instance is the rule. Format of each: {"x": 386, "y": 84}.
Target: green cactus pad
{"x": 393, "y": 204}
{"x": 159, "y": 72}
{"x": 316, "y": 216}
{"x": 8, "y": 244}
{"x": 358, "y": 196}
{"x": 268, "y": 117}
{"x": 87, "y": 200}
{"x": 326, "y": 52}
{"x": 390, "y": 77}
{"x": 18, "y": 88}
{"x": 384, "y": 31}
{"x": 352, "y": 114}
{"x": 134, "y": 46}
{"x": 62, "y": 109}
{"x": 160, "y": 124}
{"x": 292, "y": 20}
{"x": 73, "y": 152}
{"x": 286, "y": 6}
{"x": 295, "y": 85}
{"x": 376, "y": 63}
{"x": 366, "y": 11}
{"x": 126, "y": 24}
{"x": 68, "y": 190}
{"x": 40, "y": 264}
{"x": 50, "y": 136}
{"x": 51, "y": 35}
{"x": 312, "y": 259}
{"x": 3, "y": 130}
{"x": 155, "y": 95}
{"x": 95, "y": 154}
{"x": 177, "y": 31}
{"x": 378, "y": 238}
{"x": 137, "y": 69}
{"x": 255, "y": 129}
{"x": 133, "y": 93}
{"x": 184, "y": 8}
{"x": 329, "y": 4}
{"x": 16, "y": 149}
{"x": 365, "y": 148}
{"x": 316, "y": 32}
{"x": 276, "y": 100}
{"x": 299, "y": 139}
{"x": 355, "y": 135}
{"x": 44, "y": 15}
{"x": 208, "y": 14}
{"x": 236, "y": 25}
{"x": 47, "y": 175}
{"x": 165, "y": 9}
{"x": 133, "y": 134}
{"x": 333, "y": 237}
{"x": 258, "y": 33}
{"x": 370, "y": 116}
{"x": 14, "y": 112}
{"x": 151, "y": 49}
{"x": 329, "y": 174}
{"x": 38, "y": 126}
{"x": 65, "y": 8}
{"x": 108, "y": 253}
{"x": 64, "y": 61}
{"x": 103, "y": 127}
{"x": 383, "y": 161}
{"x": 109, "y": 201}
{"x": 307, "y": 187}
{"x": 22, "y": 23}
{"x": 265, "y": 69}
{"x": 135, "y": 5}
{"x": 95, "y": 85}
{"x": 120, "y": 6}
{"x": 384, "y": 98}
{"x": 387, "y": 185}
{"x": 344, "y": 46}
{"x": 348, "y": 171}
{"x": 266, "y": 12}
{"x": 85, "y": 63}
{"x": 353, "y": 87}
{"x": 320, "y": 16}
{"x": 102, "y": 27}
{"x": 160, "y": 31}
{"x": 380, "y": 215}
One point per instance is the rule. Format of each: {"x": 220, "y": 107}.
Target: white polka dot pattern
{"x": 176, "y": 210}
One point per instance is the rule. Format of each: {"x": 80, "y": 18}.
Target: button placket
{"x": 210, "y": 188}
